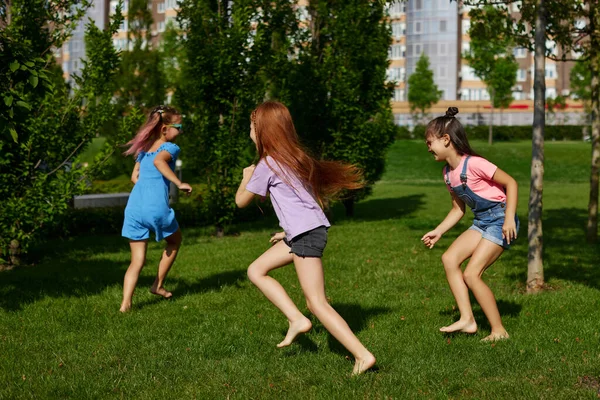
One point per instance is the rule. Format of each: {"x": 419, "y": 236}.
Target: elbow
{"x": 239, "y": 203}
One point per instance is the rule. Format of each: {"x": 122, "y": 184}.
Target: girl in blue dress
{"x": 148, "y": 205}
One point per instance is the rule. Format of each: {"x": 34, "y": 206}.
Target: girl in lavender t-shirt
{"x": 298, "y": 184}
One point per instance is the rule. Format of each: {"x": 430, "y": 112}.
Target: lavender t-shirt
{"x": 296, "y": 208}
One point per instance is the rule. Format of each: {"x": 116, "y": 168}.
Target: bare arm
{"x": 161, "y": 162}
{"x": 509, "y": 228}
{"x": 244, "y": 197}
{"x": 455, "y": 214}
{"x": 135, "y": 174}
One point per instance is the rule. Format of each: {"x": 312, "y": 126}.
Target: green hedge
{"x": 505, "y": 133}
{"x": 109, "y": 220}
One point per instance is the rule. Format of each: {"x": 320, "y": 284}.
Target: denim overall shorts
{"x": 489, "y": 215}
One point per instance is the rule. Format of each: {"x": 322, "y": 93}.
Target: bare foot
{"x": 295, "y": 329}
{"x": 125, "y": 308}
{"x": 495, "y": 336}
{"x": 467, "y": 326}
{"x": 363, "y": 364}
{"x": 161, "y": 292}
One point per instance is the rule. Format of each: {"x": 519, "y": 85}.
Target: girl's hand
{"x": 277, "y": 237}
{"x": 248, "y": 171}
{"x": 431, "y": 238}
{"x": 509, "y": 230}
{"x": 185, "y": 187}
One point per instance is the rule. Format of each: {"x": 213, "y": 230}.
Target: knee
{"x": 254, "y": 273}
{"x": 471, "y": 278}
{"x": 449, "y": 261}
{"x": 316, "y": 305}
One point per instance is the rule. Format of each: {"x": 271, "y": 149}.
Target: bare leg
{"x": 138, "y": 257}
{"x": 461, "y": 249}
{"x": 310, "y": 274}
{"x": 276, "y": 257}
{"x": 485, "y": 254}
{"x": 166, "y": 262}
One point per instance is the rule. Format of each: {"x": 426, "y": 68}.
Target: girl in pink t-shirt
{"x": 492, "y": 196}
{"x": 298, "y": 185}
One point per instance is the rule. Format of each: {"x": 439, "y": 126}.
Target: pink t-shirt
{"x": 479, "y": 178}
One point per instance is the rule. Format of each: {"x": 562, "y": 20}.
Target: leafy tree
{"x": 491, "y": 57}
{"x": 422, "y": 90}
{"x": 572, "y": 25}
{"x": 140, "y": 81}
{"x": 46, "y": 125}
{"x": 218, "y": 96}
{"x": 347, "y": 54}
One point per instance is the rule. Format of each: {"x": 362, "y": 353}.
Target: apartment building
{"x": 439, "y": 29}
{"x": 71, "y": 55}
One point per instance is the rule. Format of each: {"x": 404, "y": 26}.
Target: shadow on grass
{"x": 567, "y": 255}
{"x": 357, "y": 318}
{"x": 212, "y": 282}
{"x": 506, "y": 309}
{"x": 381, "y": 209}
{"x": 66, "y": 276}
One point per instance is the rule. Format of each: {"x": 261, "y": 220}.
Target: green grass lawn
{"x": 61, "y": 335}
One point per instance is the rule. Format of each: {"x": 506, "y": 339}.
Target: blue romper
{"x": 148, "y": 205}
{"x": 489, "y": 215}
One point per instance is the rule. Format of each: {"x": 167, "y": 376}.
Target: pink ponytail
{"x": 148, "y": 133}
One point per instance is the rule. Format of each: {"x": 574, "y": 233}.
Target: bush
{"x": 506, "y": 133}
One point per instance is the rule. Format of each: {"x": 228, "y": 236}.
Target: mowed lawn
{"x": 61, "y": 335}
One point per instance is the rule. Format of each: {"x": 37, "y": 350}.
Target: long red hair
{"x": 276, "y": 137}
{"x": 150, "y": 131}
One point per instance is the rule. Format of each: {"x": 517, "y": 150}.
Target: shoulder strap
{"x": 463, "y": 174}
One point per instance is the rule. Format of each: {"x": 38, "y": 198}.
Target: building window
{"x": 161, "y": 8}
{"x": 397, "y": 30}
{"x": 520, "y": 52}
{"x": 466, "y": 47}
{"x": 550, "y": 71}
{"x": 550, "y": 93}
{"x": 468, "y": 74}
{"x": 399, "y": 95}
{"x": 418, "y": 4}
{"x": 442, "y": 71}
{"x": 397, "y": 8}
{"x": 466, "y": 25}
{"x": 396, "y": 52}
{"x": 75, "y": 46}
{"x": 521, "y": 75}
{"x": 443, "y": 26}
{"x": 418, "y": 27}
{"x": 170, "y": 4}
{"x": 443, "y": 49}
{"x": 65, "y": 67}
{"x": 161, "y": 26}
{"x": 418, "y": 49}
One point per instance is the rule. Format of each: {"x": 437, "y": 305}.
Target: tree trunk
{"x": 592, "y": 224}
{"x": 490, "y": 134}
{"x": 349, "y": 206}
{"x": 15, "y": 253}
{"x": 535, "y": 266}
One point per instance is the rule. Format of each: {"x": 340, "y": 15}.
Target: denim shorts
{"x": 309, "y": 244}
{"x": 491, "y": 229}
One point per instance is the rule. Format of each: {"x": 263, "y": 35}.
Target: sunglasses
{"x": 179, "y": 127}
